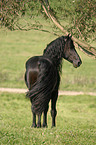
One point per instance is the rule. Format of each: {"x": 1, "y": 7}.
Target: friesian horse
{"x": 42, "y": 77}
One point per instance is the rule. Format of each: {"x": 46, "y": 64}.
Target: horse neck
{"x": 54, "y": 52}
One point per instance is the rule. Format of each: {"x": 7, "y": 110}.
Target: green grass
{"x": 76, "y": 121}
{"x": 17, "y": 46}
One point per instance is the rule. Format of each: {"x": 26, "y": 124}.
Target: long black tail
{"x": 40, "y": 93}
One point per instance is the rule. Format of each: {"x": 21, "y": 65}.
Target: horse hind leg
{"x": 38, "y": 125}
{"x": 34, "y": 119}
{"x": 39, "y": 121}
{"x": 45, "y": 117}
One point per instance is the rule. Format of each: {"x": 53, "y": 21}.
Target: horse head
{"x": 70, "y": 52}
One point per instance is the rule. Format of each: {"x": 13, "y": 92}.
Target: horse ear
{"x": 69, "y": 35}
{"x": 66, "y": 38}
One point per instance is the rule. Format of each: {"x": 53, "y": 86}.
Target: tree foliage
{"x": 83, "y": 19}
{"x": 12, "y": 11}
{"x": 80, "y": 14}
{"x": 9, "y": 12}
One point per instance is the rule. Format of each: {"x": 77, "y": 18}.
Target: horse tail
{"x": 41, "y": 91}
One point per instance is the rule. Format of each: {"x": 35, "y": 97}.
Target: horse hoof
{"x": 38, "y": 125}
{"x": 53, "y": 126}
{"x": 33, "y": 126}
{"x": 44, "y": 126}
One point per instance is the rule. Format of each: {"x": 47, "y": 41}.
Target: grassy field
{"x": 17, "y": 46}
{"x": 76, "y": 121}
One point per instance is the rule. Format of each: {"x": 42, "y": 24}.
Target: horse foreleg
{"x": 45, "y": 117}
{"x": 53, "y": 108}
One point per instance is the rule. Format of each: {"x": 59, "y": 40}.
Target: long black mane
{"x": 54, "y": 51}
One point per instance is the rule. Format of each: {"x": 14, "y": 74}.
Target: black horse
{"x": 42, "y": 77}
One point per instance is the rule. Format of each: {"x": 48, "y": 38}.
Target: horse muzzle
{"x": 77, "y": 64}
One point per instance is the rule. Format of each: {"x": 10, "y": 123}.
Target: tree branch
{"x": 35, "y": 28}
{"x": 88, "y": 49}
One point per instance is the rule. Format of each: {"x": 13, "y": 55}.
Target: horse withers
{"x": 42, "y": 77}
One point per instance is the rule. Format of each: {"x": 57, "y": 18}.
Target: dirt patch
{"x": 71, "y": 93}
